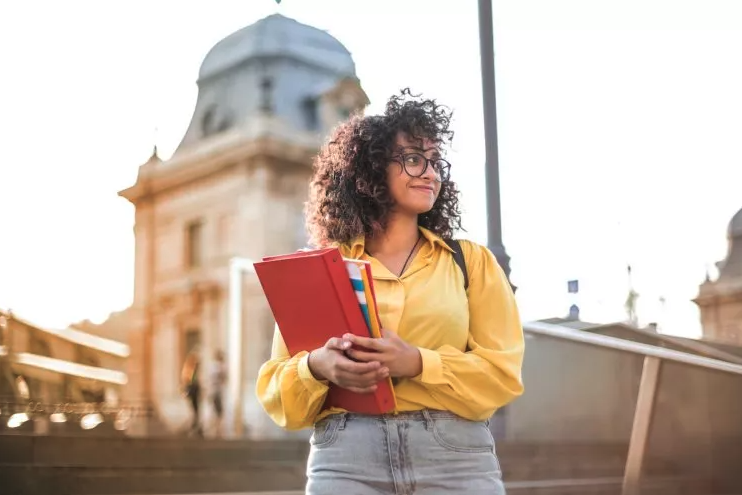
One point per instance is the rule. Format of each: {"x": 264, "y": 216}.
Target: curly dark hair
{"x": 348, "y": 193}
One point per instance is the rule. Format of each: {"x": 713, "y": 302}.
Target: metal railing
{"x": 14, "y": 413}
{"x": 643, "y": 414}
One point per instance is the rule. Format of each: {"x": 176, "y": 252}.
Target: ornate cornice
{"x": 265, "y": 138}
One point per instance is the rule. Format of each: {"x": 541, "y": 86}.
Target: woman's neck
{"x": 400, "y": 235}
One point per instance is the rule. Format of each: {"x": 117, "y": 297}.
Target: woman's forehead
{"x": 417, "y": 144}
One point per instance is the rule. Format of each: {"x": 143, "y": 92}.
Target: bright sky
{"x": 619, "y": 126}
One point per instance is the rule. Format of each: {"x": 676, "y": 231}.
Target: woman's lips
{"x": 424, "y": 189}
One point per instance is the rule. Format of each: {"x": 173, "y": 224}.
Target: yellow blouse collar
{"x": 355, "y": 248}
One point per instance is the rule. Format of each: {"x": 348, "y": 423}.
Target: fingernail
{"x": 346, "y": 344}
{"x": 384, "y": 370}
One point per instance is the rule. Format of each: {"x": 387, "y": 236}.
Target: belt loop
{"x": 428, "y": 419}
{"x": 341, "y": 421}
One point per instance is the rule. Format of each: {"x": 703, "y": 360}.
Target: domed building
{"x": 720, "y": 300}
{"x": 232, "y": 192}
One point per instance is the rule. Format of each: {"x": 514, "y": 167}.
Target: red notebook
{"x": 312, "y": 300}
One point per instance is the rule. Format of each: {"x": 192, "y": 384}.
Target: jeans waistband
{"x": 422, "y": 415}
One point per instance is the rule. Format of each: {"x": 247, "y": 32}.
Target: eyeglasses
{"x": 415, "y": 165}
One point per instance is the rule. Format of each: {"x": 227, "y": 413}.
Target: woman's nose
{"x": 430, "y": 173}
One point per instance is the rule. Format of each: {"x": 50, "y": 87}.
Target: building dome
{"x": 278, "y": 67}
{"x": 278, "y": 36}
{"x": 735, "y": 226}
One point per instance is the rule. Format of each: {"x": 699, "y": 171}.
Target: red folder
{"x": 312, "y": 300}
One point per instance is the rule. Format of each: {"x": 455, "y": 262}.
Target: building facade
{"x": 234, "y": 189}
{"x": 720, "y": 300}
{"x": 52, "y": 378}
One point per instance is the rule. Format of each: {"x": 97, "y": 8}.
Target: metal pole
{"x": 492, "y": 171}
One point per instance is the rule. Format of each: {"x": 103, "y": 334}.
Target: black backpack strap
{"x": 458, "y": 257}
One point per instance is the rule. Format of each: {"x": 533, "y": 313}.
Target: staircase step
{"x": 78, "y": 465}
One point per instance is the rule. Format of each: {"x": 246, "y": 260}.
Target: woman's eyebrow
{"x": 418, "y": 149}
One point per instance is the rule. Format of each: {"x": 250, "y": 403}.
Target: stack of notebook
{"x": 317, "y": 295}
{"x": 363, "y": 284}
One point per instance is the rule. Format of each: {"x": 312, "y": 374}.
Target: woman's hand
{"x": 330, "y": 363}
{"x": 402, "y": 359}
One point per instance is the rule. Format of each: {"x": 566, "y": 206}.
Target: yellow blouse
{"x": 472, "y": 351}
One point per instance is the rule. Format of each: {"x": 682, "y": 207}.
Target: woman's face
{"x": 415, "y": 190}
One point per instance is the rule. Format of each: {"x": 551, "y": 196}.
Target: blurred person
{"x": 218, "y": 379}
{"x": 192, "y": 389}
{"x": 381, "y": 191}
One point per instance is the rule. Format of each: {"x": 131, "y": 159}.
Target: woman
{"x": 381, "y": 192}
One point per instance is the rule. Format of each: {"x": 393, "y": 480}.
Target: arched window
{"x": 311, "y": 113}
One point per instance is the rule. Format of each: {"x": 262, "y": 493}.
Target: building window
{"x": 208, "y": 121}
{"x": 191, "y": 341}
{"x": 194, "y": 244}
{"x": 215, "y": 121}
{"x": 311, "y": 114}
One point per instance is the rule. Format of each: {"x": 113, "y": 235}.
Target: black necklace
{"x": 404, "y": 267}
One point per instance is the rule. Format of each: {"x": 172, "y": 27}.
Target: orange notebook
{"x": 312, "y": 300}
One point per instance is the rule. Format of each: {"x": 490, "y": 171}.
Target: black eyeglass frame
{"x": 443, "y": 174}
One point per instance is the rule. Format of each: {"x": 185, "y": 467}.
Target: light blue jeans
{"x": 421, "y": 453}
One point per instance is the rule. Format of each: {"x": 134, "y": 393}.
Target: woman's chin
{"x": 423, "y": 209}
{"x": 415, "y": 207}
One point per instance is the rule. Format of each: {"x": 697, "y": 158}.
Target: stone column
{"x": 166, "y": 367}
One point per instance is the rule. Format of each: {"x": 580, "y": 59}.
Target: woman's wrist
{"x": 416, "y": 363}
{"x": 312, "y": 364}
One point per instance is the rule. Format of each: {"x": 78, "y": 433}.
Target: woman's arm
{"x": 286, "y": 388}
{"x": 474, "y": 384}
{"x": 292, "y": 390}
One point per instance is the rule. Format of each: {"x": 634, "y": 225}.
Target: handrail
{"x": 583, "y": 337}
{"x": 694, "y": 346}
{"x": 654, "y": 356}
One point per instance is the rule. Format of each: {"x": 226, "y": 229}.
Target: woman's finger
{"x": 338, "y": 343}
{"x": 365, "y": 356}
{"x": 367, "y": 342}
{"x": 362, "y": 380}
{"x": 345, "y": 365}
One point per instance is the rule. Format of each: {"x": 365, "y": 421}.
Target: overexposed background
{"x": 619, "y": 130}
